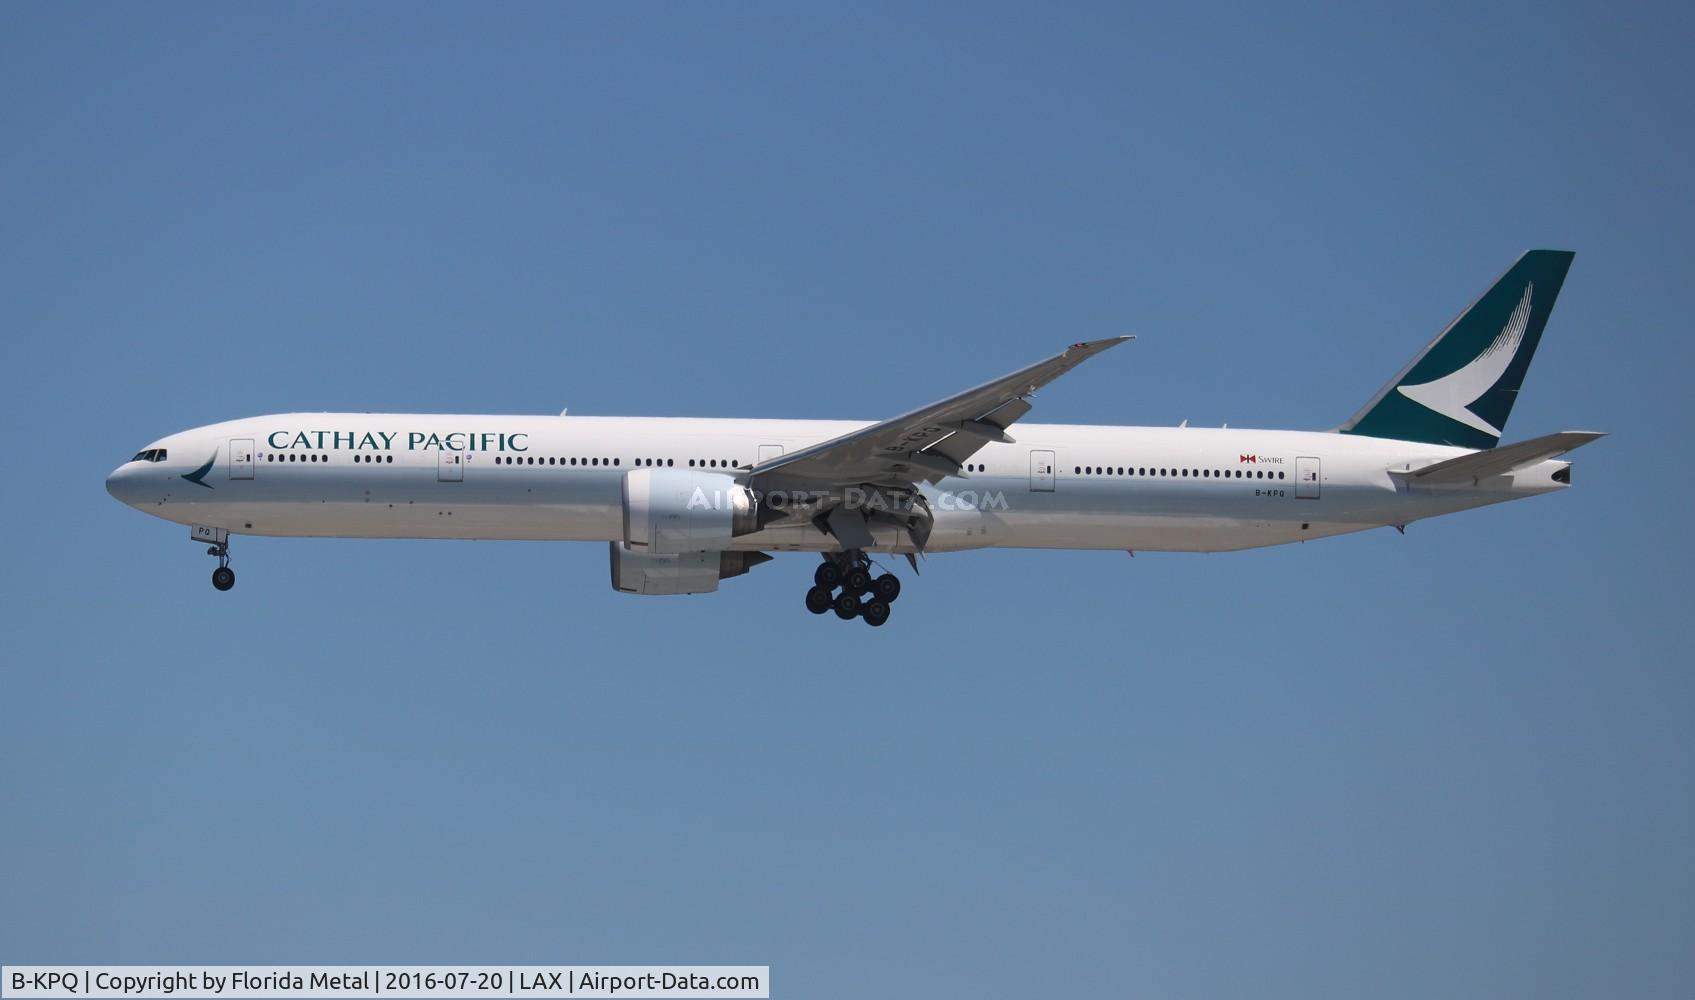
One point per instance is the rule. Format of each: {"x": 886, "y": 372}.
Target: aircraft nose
{"x": 121, "y": 483}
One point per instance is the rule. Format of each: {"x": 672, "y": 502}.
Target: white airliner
{"x": 685, "y": 503}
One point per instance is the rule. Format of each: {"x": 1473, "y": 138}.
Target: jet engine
{"x": 673, "y": 511}
{"x": 652, "y": 574}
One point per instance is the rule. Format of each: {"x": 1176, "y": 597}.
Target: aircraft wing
{"x": 932, "y": 441}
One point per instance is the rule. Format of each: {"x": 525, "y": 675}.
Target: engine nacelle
{"x": 685, "y": 510}
{"x": 652, "y": 573}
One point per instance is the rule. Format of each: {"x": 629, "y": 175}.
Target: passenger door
{"x": 450, "y": 467}
{"x": 1307, "y": 476}
{"x": 1041, "y": 471}
{"x": 241, "y": 458}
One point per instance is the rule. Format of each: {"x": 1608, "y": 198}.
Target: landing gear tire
{"x": 223, "y": 578}
{"x": 861, "y": 594}
{"x": 827, "y": 575}
{"x": 820, "y": 600}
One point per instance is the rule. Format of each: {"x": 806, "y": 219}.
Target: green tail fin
{"x": 1461, "y": 388}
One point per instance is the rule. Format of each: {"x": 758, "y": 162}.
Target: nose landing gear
{"x": 862, "y": 595}
{"x": 223, "y": 578}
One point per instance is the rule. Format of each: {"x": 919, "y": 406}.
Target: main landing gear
{"x": 861, "y": 594}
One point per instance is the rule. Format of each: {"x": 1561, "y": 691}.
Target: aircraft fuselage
{"x": 560, "y": 478}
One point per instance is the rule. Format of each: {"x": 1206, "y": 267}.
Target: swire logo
{"x": 1250, "y": 458}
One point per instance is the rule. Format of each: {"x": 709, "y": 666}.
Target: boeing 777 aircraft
{"x": 685, "y": 503}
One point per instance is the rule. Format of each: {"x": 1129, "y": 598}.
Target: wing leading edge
{"x": 931, "y": 442}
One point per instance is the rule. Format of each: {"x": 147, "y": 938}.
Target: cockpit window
{"x": 150, "y": 455}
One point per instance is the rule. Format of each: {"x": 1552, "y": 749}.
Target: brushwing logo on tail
{"x": 1452, "y": 394}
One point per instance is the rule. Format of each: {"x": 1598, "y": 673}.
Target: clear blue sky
{"x": 1457, "y": 763}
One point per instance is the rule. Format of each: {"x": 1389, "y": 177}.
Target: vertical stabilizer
{"x": 1461, "y": 388}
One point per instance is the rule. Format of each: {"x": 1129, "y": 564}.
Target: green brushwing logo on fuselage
{"x": 198, "y": 476}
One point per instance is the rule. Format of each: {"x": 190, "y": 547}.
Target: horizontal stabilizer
{"x": 1498, "y": 461}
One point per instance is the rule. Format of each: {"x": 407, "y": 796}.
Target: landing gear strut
{"x": 861, "y": 596}
{"x": 223, "y": 577}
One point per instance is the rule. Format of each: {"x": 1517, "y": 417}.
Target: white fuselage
{"x": 542, "y": 477}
